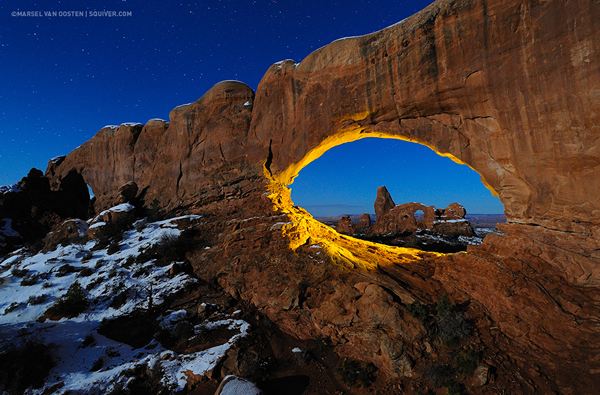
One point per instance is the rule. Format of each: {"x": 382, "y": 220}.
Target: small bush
{"x": 30, "y": 280}
{"x": 86, "y": 272}
{"x": 444, "y": 305}
{"x": 25, "y": 366}
{"x": 143, "y": 257}
{"x": 97, "y": 365}
{"x": 148, "y": 380}
{"x": 33, "y": 300}
{"x": 112, "y": 272}
{"x": 47, "y": 285}
{"x": 87, "y": 256}
{"x": 466, "y": 362}
{"x": 119, "y": 300}
{"x": 64, "y": 270}
{"x": 34, "y": 247}
{"x": 171, "y": 248}
{"x": 93, "y": 284}
{"x": 438, "y": 375}
{"x": 452, "y": 327}
{"x": 113, "y": 248}
{"x": 71, "y": 304}
{"x": 142, "y": 271}
{"x": 12, "y": 307}
{"x": 355, "y": 373}
{"x": 99, "y": 264}
{"x": 112, "y": 231}
{"x": 417, "y": 310}
{"x": 129, "y": 261}
{"x": 88, "y": 340}
{"x": 155, "y": 212}
{"x": 454, "y": 388}
{"x": 19, "y": 272}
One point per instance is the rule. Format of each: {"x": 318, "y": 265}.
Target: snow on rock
{"x": 6, "y": 228}
{"x": 10, "y": 188}
{"x": 102, "y": 276}
{"x": 111, "y": 213}
{"x": 234, "y": 385}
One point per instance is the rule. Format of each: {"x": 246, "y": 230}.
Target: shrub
{"x": 71, "y": 304}
{"x": 173, "y": 248}
{"x": 35, "y": 246}
{"x": 99, "y": 264}
{"x": 25, "y": 366}
{"x": 93, "y": 284}
{"x": 444, "y": 305}
{"x": 143, "y": 257}
{"x": 47, "y": 285}
{"x": 147, "y": 380}
{"x": 452, "y": 327}
{"x": 33, "y": 300}
{"x": 355, "y": 373}
{"x": 466, "y": 362}
{"x": 417, "y": 310}
{"x": 114, "y": 247}
{"x": 12, "y": 307}
{"x": 454, "y": 388}
{"x": 86, "y": 272}
{"x": 113, "y": 230}
{"x": 30, "y": 280}
{"x": 88, "y": 340}
{"x": 155, "y": 212}
{"x": 87, "y": 256}
{"x": 64, "y": 270}
{"x": 19, "y": 272}
{"x": 119, "y": 300}
{"x": 97, "y": 365}
{"x": 438, "y": 375}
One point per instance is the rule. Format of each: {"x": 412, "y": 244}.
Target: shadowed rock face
{"x": 510, "y": 88}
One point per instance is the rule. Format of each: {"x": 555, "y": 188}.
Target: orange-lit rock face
{"x": 509, "y": 88}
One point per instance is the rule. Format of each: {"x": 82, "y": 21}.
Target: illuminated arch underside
{"x": 345, "y": 250}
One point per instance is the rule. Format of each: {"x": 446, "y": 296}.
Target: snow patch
{"x": 10, "y": 188}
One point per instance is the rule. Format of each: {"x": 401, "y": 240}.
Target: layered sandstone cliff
{"x": 511, "y": 88}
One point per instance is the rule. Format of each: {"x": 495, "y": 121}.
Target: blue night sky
{"x": 63, "y": 78}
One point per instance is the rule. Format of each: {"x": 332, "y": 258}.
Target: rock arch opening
{"x": 305, "y": 230}
{"x": 430, "y": 194}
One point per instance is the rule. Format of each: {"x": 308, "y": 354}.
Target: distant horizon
{"x": 373, "y": 215}
{"x": 345, "y": 179}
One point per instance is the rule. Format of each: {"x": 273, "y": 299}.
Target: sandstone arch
{"x": 511, "y": 88}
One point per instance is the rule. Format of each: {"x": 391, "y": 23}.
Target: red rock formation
{"x": 508, "y": 87}
{"x": 383, "y": 202}
{"x": 346, "y": 226}
{"x": 364, "y": 223}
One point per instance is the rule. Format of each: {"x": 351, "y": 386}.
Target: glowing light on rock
{"x": 305, "y": 230}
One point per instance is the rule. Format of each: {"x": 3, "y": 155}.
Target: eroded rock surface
{"x": 508, "y": 87}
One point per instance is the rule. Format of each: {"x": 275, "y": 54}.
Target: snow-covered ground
{"x": 103, "y": 276}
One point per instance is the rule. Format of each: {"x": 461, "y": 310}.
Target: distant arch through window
{"x": 344, "y": 180}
